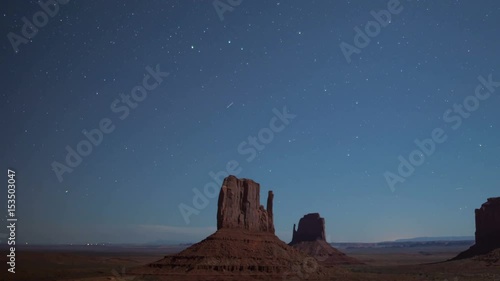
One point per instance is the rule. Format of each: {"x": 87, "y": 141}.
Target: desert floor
{"x": 104, "y": 263}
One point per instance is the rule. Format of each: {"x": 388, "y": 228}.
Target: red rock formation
{"x": 310, "y": 239}
{"x": 488, "y": 224}
{"x": 270, "y": 216}
{"x": 239, "y": 206}
{"x": 487, "y": 229}
{"x": 244, "y": 246}
{"x": 311, "y": 228}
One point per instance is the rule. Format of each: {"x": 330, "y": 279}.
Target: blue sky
{"x": 353, "y": 119}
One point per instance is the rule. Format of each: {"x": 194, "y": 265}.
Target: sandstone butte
{"x": 244, "y": 247}
{"x": 487, "y": 230}
{"x": 310, "y": 239}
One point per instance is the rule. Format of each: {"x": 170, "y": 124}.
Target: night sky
{"x": 347, "y": 118}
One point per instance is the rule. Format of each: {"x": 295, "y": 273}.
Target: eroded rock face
{"x": 239, "y": 206}
{"x": 487, "y": 229}
{"x": 310, "y": 239}
{"x": 488, "y": 224}
{"x": 311, "y": 228}
{"x": 270, "y": 216}
{"x": 244, "y": 247}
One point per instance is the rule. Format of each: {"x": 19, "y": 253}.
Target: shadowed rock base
{"x": 325, "y": 253}
{"x": 233, "y": 254}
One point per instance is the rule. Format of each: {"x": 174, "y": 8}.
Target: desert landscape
{"x": 245, "y": 248}
{"x": 104, "y": 264}
{"x": 217, "y": 140}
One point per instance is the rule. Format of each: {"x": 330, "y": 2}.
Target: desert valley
{"x": 245, "y": 248}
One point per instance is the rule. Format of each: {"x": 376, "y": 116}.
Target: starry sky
{"x": 227, "y": 77}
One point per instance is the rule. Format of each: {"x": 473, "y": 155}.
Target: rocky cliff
{"x": 311, "y": 228}
{"x": 310, "y": 239}
{"x": 239, "y": 206}
{"x": 487, "y": 229}
{"x": 488, "y": 224}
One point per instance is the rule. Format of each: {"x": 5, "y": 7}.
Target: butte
{"x": 244, "y": 247}
{"x": 310, "y": 239}
{"x": 487, "y": 230}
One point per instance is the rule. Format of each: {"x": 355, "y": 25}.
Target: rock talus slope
{"x": 244, "y": 247}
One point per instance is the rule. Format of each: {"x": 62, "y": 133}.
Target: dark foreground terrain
{"x": 87, "y": 263}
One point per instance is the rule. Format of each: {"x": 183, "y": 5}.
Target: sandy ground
{"x": 381, "y": 264}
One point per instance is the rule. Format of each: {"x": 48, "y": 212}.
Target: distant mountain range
{"x": 416, "y": 240}
{"x": 442, "y": 241}
{"x": 439, "y": 238}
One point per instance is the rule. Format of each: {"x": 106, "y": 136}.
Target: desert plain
{"x": 106, "y": 263}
